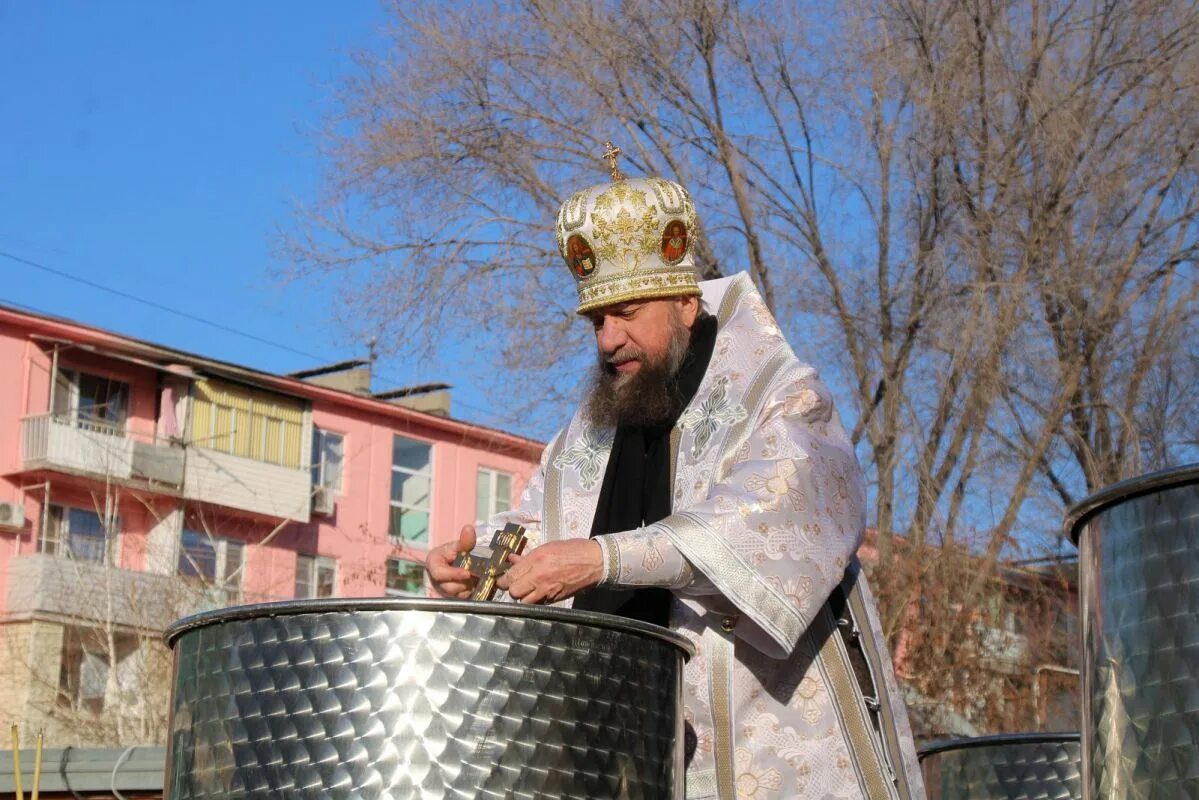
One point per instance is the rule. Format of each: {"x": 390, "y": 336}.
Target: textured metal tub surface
{"x": 425, "y": 699}
{"x": 1032, "y": 766}
{"x": 1139, "y": 586}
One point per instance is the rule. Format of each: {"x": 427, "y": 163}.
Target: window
{"x": 85, "y": 661}
{"x": 80, "y": 534}
{"x": 405, "y": 578}
{"x": 316, "y": 576}
{"x": 411, "y": 490}
{"x": 493, "y": 493}
{"x": 328, "y": 449}
{"x": 243, "y": 422}
{"x": 91, "y": 401}
{"x": 83, "y": 671}
{"x": 214, "y": 561}
{"x": 1013, "y": 621}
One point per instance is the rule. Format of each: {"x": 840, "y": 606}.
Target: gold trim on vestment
{"x": 720, "y": 695}
{"x": 875, "y": 659}
{"x": 713, "y": 556}
{"x": 851, "y": 710}
{"x": 612, "y": 553}
{"x": 550, "y": 502}
{"x": 732, "y": 296}
{"x": 676, "y": 435}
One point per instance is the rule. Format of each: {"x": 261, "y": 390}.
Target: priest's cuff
{"x": 643, "y": 558}
{"x": 611, "y": 559}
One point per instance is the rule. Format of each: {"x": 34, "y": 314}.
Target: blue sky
{"x": 157, "y": 148}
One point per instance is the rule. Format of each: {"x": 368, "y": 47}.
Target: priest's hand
{"x": 448, "y": 580}
{"x": 554, "y": 571}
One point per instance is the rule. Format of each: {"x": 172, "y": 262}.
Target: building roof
{"x": 51, "y": 329}
{"x": 88, "y": 769}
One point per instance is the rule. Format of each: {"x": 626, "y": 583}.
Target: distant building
{"x": 140, "y": 483}
{"x": 1005, "y": 659}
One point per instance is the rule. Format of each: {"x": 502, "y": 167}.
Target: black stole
{"x": 636, "y": 490}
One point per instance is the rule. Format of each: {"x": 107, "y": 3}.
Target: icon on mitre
{"x": 579, "y": 256}
{"x": 674, "y": 242}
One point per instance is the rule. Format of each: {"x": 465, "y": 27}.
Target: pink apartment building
{"x": 140, "y": 483}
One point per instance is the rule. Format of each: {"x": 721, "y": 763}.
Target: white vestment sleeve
{"x": 648, "y": 558}
{"x": 777, "y": 530}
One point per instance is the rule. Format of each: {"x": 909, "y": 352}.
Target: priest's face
{"x": 641, "y": 347}
{"x": 633, "y": 335}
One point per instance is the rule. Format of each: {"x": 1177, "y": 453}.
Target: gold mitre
{"x": 628, "y": 240}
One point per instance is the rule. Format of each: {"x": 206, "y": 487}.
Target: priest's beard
{"x": 648, "y": 397}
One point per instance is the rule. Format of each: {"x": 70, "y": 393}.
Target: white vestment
{"x": 768, "y": 511}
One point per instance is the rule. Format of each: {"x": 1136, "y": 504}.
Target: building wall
{"x": 132, "y": 712}
{"x": 356, "y": 534}
{"x": 31, "y": 651}
{"x": 14, "y": 659}
{"x": 47, "y": 600}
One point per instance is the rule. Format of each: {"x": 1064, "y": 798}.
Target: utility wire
{"x": 60, "y": 273}
{"x": 182, "y": 314}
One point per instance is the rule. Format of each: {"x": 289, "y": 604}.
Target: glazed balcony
{"x": 246, "y": 484}
{"x": 57, "y": 586}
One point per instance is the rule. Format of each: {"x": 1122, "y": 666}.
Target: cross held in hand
{"x": 504, "y": 543}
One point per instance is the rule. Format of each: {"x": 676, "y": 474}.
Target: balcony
{"x": 247, "y": 484}
{"x": 47, "y": 585}
{"x": 97, "y": 449}
{"x": 43, "y": 585}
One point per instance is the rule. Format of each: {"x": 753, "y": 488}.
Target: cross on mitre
{"x": 611, "y": 153}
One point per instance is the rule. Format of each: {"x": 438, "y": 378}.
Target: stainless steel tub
{"x": 1022, "y": 766}
{"x": 1139, "y": 585}
{"x": 423, "y": 698}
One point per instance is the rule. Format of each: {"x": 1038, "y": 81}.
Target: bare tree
{"x": 97, "y": 672}
{"x": 978, "y": 217}
{"x": 1076, "y": 169}
{"x": 990, "y": 660}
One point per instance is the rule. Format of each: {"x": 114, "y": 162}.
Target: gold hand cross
{"x": 504, "y": 543}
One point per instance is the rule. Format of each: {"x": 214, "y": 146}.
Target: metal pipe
{"x": 37, "y": 766}
{"x": 44, "y": 521}
{"x": 112, "y": 783}
{"x": 53, "y": 379}
{"x": 1036, "y": 687}
{"x": 16, "y": 762}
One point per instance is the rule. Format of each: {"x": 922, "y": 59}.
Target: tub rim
{"x": 326, "y": 605}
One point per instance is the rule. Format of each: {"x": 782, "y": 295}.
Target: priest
{"x": 706, "y": 484}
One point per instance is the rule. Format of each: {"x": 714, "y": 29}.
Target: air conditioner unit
{"x": 322, "y": 501}
{"x": 12, "y": 515}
